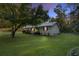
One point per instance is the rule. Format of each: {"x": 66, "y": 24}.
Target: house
{"x": 29, "y": 29}
{"x": 46, "y": 28}
{"x": 49, "y": 28}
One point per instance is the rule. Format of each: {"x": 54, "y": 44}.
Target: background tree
{"x": 4, "y": 23}
{"x": 39, "y": 15}
{"x": 52, "y": 20}
{"x": 60, "y": 16}
{"x": 74, "y": 16}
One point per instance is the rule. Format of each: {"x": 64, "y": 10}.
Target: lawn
{"x": 35, "y": 45}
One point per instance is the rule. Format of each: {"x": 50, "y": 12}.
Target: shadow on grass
{"x": 7, "y": 38}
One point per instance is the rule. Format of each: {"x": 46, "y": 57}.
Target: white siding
{"x": 51, "y": 30}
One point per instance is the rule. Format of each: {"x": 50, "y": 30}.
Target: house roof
{"x": 41, "y": 25}
{"x": 47, "y": 24}
{"x": 28, "y": 26}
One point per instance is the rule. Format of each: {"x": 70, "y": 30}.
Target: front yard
{"x": 35, "y": 45}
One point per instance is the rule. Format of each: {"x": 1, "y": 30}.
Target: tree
{"x": 74, "y": 16}
{"x": 52, "y": 20}
{"x": 60, "y": 16}
{"x": 17, "y": 14}
{"x": 39, "y": 15}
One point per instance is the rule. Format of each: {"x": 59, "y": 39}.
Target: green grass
{"x": 35, "y": 45}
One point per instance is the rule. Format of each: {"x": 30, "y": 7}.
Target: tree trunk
{"x": 14, "y": 29}
{"x": 13, "y": 32}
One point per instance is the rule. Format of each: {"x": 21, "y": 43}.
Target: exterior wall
{"x": 43, "y": 32}
{"x": 52, "y": 30}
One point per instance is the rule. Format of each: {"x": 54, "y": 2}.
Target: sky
{"x": 50, "y": 7}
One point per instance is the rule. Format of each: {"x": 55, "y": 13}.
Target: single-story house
{"x": 47, "y": 28}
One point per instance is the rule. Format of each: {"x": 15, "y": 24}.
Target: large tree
{"x": 17, "y": 14}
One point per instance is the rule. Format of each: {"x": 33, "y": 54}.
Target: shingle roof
{"x": 47, "y": 24}
{"x": 41, "y": 25}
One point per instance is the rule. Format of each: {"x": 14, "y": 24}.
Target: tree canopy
{"x": 60, "y": 16}
{"x": 39, "y": 15}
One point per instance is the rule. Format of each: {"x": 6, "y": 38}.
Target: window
{"x": 33, "y": 29}
{"x": 45, "y": 28}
